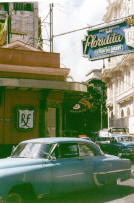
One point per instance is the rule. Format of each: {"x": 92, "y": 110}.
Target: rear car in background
{"x": 119, "y": 145}
{"x": 118, "y": 131}
{"x": 106, "y": 132}
{"x": 103, "y": 132}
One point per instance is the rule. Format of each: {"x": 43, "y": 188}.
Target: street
{"x": 122, "y": 193}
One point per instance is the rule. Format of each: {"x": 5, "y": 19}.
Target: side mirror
{"x": 13, "y": 149}
{"x": 51, "y": 158}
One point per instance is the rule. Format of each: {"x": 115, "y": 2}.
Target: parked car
{"x": 113, "y": 130}
{"x": 106, "y": 132}
{"x": 93, "y": 135}
{"x": 44, "y": 166}
{"x": 102, "y": 140}
{"x": 103, "y": 132}
{"x": 120, "y": 145}
{"x": 84, "y": 137}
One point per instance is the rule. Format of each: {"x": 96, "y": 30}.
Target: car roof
{"x": 53, "y": 140}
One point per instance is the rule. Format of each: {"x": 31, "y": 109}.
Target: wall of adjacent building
{"x": 22, "y": 21}
{"x": 11, "y": 102}
{"x": 120, "y": 73}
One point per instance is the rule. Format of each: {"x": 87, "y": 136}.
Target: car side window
{"x": 55, "y": 153}
{"x": 86, "y": 150}
{"x": 67, "y": 150}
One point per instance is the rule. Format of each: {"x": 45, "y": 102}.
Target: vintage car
{"x": 51, "y": 166}
{"x": 113, "y": 130}
{"x": 106, "y": 132}
{"x": 119, "y": 144}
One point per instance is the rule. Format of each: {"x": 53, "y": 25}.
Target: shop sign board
{"x": 112, "y": 40}
{"x": 25, "y": 119}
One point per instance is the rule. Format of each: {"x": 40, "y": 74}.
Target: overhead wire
{"x": 43, "y": 23}
{"x": 87, "y": 27}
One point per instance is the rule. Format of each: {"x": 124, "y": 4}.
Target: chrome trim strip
{"x": 102, "y": 173}
{"x": 75, "y": 174}
{"x": 107, "y": 172}
{"x": 96, "y": 180}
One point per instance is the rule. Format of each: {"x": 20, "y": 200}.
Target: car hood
{"x": 19, "y": 162}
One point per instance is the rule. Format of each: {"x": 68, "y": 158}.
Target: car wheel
{"x": 14, "y": 198}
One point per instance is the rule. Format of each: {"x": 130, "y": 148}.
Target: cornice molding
{"x": 43, "y": 84}
{"x": 36, "y": 70}
{"x": 119, "y": 66}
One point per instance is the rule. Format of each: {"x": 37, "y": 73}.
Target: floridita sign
{"x": 112, "y": 40}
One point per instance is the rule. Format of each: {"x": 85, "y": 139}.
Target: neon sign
{"x": 109, "y": 41}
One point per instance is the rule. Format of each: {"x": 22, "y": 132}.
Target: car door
{"x": 73, "y": 167}
{"x": 87, "y": 155}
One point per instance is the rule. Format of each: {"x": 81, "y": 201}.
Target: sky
{"x": 69, "y": 15}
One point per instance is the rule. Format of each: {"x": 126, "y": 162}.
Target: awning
{"x": 44, "y": 84}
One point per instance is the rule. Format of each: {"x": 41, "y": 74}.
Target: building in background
{"x": 19, "y": 21}
{"x": 119, "y": 74}
{"x": 95, "y": 74}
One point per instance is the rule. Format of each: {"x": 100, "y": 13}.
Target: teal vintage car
{"x": 50, "y": 166}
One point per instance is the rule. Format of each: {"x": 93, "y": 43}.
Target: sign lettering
{"x": 25, "y": 119}
{"x": 110, "y": 41}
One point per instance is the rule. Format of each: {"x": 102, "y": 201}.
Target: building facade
{"x": 119, "y": 74}
{"x": 19, "y": 21}
{"x": 34, "y": 94}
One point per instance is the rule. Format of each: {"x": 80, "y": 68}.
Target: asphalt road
{"x": 122, "y": 193}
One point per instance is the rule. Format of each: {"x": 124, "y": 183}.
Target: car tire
{"x": 21, "y": 194}
{"x": 18, "y": 197}
{"x": 14, "y": 197}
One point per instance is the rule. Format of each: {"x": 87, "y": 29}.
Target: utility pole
{"x": 101, "y": 116}
{"x": 51, "y": 27}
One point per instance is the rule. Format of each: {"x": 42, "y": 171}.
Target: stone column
{"x": 114, "y": 97}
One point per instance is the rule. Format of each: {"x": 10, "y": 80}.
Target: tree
{"x": 97, "y": 97}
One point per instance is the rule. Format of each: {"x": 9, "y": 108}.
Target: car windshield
{"x": 32, "y": 150}
{"x": 125, "y": 139}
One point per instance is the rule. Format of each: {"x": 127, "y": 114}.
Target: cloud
{"x": 71, "y": 15}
